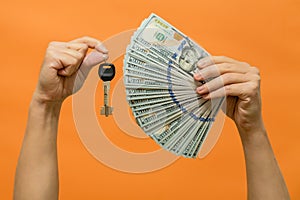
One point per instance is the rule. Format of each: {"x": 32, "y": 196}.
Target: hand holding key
{"x": 106, "y": 72}
{"x": 64, "y": 63}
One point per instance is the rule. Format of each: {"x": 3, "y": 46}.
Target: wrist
{"x": 44, "y": 100}
{"x": 254, "y": 136}
{"x": 248, "y": 126}
{"x": 43, "y": 107}
{"x": 43, "y": 119}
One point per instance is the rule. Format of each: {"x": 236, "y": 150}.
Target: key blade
{"x": 106, "y": 88}
{"x": 106, "y": 84}
{"x": 106, "y": 110}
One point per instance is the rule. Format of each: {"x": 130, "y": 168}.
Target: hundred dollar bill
{"x": 158, "y": 75}
{"x": 146, "y": 79}
{"x": 158, "y": 35}
{"x": 153, "y": 108}
{"x": 197, "y": 141}
{"x": 155, "y": 64}
{"x": 132, "y": 93}
{"x": 195, "y": 144}
{"x": 155, "y": 57}
{"x": 192, "y": 132}
{"x": 155, "y": 120}
{"x": 190, "y": 105}
{"x": 169, "y": 130}
{"x": 141, "y": 74}
{"x": 183, "y": 130}
{"x": 167, "y": 43}
{"x": 178, "y": 94}
{"x": 189, "y": 126}
{"x": 133, "y": 69}
{"x": 144, "y": 92}
{"x": 183, "y": 146}
{"x": 174, "y": 133}
{"x": 199, "y": 145}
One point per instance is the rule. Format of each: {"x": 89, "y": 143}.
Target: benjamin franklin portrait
{"x": 188, "y": 59}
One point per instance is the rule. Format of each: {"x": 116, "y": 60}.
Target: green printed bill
{"x": 160, "y": 89}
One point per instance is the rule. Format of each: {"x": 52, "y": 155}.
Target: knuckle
{"x": 214, "y": 71}
{"x": 257, "y": 77}
{"x": 80, "y": 55}
{"x": 245, "y": 64}
{"x": 53, "y": 43}
{"x": 85, "y": 46}
{"x": 228, "y": 89}
{"x": 53, "y": 64}
{"x": 226, "y": 78}
{"x": 255, "y": 70}
{"x": 85, "y": 37}
{"x": 50, "y": 53}
{"x": 253, "y": 88}
{"x": 223, "y": 57}
{"x": 227, "y": 67}
{"x": 204, "y": 73}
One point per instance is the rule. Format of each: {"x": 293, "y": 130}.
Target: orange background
{"x": 263, "y": 33}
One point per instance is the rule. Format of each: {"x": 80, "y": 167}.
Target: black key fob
{"x": 106, "y": 71}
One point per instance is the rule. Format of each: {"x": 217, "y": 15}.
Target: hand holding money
{"x": 240, "y": 82}
{"x": 158, "y": 73}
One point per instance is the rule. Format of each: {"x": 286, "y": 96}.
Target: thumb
{"x": 92, "y": 59}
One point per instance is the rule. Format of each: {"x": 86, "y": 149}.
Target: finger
{"x": 219, "y": 69}
{"x": 241, "y": 90}
{"x": 92, "y": 43}
{"x": 210, "y": 60}
{"x": 68, "y": 63}
{"x": 81, "y": 47}
{"x": 221, "y": 81}
{"x": 92, "y": 59}
{"x": 71, "y": 53}
{"x": 74, "y": 53}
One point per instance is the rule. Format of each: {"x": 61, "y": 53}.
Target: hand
{"x": 240, "y": 82}
{"x": 66, "y": 66}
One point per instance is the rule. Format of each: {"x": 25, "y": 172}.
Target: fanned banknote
{"x": 158, "y": 74}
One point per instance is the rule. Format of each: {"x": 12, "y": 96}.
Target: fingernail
{"x": 105, "y": 56}
{"x": 199, "y": 89}
{"x": 198, "y": 77}
{"x": 102, "y": 48}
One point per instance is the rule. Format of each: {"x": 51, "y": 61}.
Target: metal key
{"x": 106, "y": 72}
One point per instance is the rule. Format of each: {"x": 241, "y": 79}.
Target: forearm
{"x": 37, "y": 173}
{"x": 264, "y": 177}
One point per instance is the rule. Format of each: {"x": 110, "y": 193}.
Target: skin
{"x": 66, "y": 66}
{"x": 240, "y": 82}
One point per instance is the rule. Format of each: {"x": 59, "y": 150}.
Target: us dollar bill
{"x": 158, "y": 70}
{"x": 162, "y": 39}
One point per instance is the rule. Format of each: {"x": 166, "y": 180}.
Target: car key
{"x": 106, "y": 72}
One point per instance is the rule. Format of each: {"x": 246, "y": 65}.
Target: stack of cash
{"x": 158, "y": 74}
